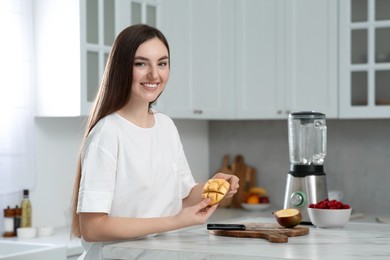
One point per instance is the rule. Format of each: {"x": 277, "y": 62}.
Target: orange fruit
{"x": 253, "y": 199}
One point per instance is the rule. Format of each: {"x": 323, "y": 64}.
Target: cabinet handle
{"x": 198, "y": 111}
{"x": 279, "y": 112}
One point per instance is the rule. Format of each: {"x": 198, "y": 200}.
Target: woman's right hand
{"x": 102, "y": 227}
{"x": 197, "y": 214}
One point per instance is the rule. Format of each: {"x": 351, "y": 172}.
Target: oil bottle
{"x": 26, "y": 210}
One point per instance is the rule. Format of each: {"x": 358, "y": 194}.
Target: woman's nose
{"x": 153, "y": 72}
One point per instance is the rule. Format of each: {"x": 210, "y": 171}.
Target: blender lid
{"x": 307, "y": 115}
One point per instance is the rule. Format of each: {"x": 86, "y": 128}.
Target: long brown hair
{"x": 114, "y": 91}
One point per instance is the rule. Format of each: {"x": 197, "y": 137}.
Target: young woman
{"x": 133, "y": 178}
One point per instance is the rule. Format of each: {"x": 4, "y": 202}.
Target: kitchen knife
{"x": 226, "y": 227}
{"x": 249, "y": 226}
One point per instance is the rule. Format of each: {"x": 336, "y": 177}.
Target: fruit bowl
{"x": 329, "y": 218}
{"x": 255, "y": 207}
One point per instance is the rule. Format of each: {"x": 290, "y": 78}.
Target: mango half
{"x": 215, "y": 189}
{"x": 288, "y": 218}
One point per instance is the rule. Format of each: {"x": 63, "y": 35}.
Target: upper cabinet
{"x": 101, "y": 22}
{"x": 202, "y": 44}
{"x": 250, "y": 59}
{"x": 365, "y": 59}
{"x": 287, "y": 58}
{"x": 73, "y": 39}
{"x": 230, "y": 59}
{"x": 259, "y": 60}
{"x": 57, "y": 56}
{"x": 311, "y": 48}
{"x": 98, "y": 30}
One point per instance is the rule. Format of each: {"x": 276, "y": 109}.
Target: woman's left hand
{"x": 232, "y": 179}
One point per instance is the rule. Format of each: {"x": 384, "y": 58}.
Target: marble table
{"x": 356, "y": 240}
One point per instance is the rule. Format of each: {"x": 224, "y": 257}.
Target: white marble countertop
{"x": 60, "y": 237}
{"x": 356, "y": 240}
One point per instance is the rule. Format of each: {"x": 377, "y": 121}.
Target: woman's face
{"x": 150, "y": 71}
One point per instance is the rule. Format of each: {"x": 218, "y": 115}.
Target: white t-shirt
{"x": 130, "y": 171}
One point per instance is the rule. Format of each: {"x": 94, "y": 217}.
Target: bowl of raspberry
{"x": 329, "y": 213}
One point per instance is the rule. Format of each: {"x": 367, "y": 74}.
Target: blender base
{"x": 303, "y": 191}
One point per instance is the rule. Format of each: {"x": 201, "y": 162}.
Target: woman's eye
{"x": 163, "y": 64}
{"x": 139, "y": 64}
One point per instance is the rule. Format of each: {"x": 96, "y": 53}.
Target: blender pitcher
{"x": 306, "y": 181}
{"x": 307, "y": 138}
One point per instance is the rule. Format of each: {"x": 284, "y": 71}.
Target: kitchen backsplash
{"x": 357, "y": 162}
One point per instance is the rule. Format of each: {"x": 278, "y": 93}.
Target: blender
{"x": 306, "y": 180}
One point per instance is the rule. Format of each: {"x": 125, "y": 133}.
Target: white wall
{"x": 194, "y": 136}
{"x": 57, "y": 145}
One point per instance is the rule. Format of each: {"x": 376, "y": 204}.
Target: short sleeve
{"x": 98, "y": 174}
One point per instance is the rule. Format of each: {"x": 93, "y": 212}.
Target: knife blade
{"x": 249, "y": 226}
{"x": 226, "y": 227}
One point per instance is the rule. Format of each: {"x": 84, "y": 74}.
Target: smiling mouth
{"x": 150, "y": 85}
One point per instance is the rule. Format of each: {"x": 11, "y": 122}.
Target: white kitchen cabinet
{"x": 250, "y": 59}
{"x": 102, "y": 21}
{"x": 311, "y": 56}
{"x": 287, "y": 58}
{"x": 202, "y": 42}
{"x": 259, "y": 59}
{"x": 57, "y": 55}
{"x": 365, "y": 59}
{"x": 73, "y": 41}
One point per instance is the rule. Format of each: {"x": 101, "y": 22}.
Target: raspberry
{"x": 326, "y": 204}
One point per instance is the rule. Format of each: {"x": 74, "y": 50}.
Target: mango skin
{"x": 288, "y": 218}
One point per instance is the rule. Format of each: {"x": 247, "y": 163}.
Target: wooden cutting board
{"x": 272, "y": 232}
{"x": 226, "y": 202}
{"x": 247, "y": 179}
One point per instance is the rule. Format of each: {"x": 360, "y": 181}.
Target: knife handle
{"x": 226, "y": 227}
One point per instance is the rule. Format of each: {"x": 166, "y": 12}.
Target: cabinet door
{"x": 365, "y": 59}
{"x": 175, "y": 24}
{"x": 201, "y": 37}
{"x": 72, "y": 53}
{"x": 287, "y": 58}
{"x": 101, "y": 22}
{"x": 259, "y": 80}
{"x": 97, "y": 35}
{"x": 57, "y": 57}
{"x": 311, "y": 56}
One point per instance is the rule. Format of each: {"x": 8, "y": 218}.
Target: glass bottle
{"x": 26, "y": 210}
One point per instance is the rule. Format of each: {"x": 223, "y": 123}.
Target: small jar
{"x": 9, "y": 215}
